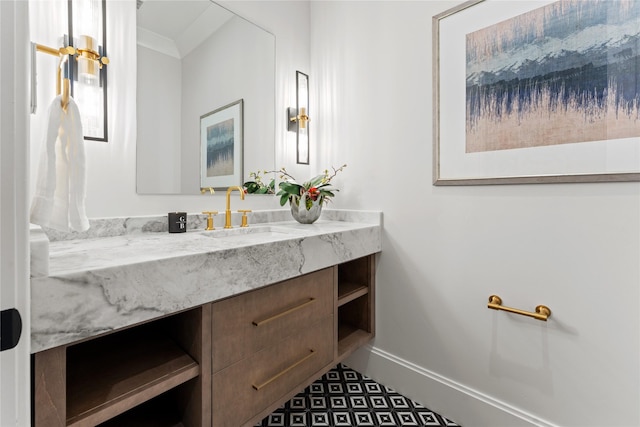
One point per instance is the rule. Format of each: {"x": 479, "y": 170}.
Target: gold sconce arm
{"x": 300, "y": 119}
{"x": 68, "y": 50}
{"x": 62, "y": 85}
{"x": 542, "y": 311}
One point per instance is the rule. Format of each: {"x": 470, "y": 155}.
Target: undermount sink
{"x": 253, "y": 233}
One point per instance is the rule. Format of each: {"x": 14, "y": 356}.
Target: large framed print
{"x": 221, "y": 147}
{"x": 537, "y": 92}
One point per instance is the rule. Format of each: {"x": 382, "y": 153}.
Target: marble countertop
{"x": 100, "y": 282}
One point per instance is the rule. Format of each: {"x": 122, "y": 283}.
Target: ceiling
{"x": 177, "y": 27}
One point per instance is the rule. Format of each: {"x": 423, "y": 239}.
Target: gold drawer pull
{"x": 284, "y": 371}
{"x": 287, "y": 310}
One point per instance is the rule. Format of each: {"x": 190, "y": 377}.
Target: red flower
{"x": 314, "y": 193}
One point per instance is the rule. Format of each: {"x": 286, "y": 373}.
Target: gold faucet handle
{"x": 205, "y": 189}
{"x": 210, "y": 219}
{"x": 244, "y": 217}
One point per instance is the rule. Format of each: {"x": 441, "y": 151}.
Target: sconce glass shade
{"x": 90, "y": 101}
{"x": 88, "y": 71}
{"x": 87, "y": 24}
{"x": 86, "y": 16}
{"x": 302, "y": 101}
{"x": 88, "y": 65}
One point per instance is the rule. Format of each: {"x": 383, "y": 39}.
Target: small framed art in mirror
{"x": 221, "y": 147}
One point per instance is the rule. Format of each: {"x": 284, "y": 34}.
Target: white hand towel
{"x": 61, "y": 186}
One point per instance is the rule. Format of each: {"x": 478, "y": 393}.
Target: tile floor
{"x": 344, "y": 397}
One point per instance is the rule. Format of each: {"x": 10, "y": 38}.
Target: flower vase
{"x": 303, "y": 215}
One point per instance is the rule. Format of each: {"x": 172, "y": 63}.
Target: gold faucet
{"x": 227, "y": 212}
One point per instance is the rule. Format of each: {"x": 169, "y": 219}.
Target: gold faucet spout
{"x": 227, "y": 212}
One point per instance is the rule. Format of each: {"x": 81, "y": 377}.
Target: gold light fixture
{"x": 87, "y": 34}
{"x": 298, "y": 120}
{"x": 89, "y": 60}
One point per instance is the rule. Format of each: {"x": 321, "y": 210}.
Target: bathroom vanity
{"x": 203, "y": 328}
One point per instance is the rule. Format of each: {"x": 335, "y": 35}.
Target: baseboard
{"x": 461, "y": 404}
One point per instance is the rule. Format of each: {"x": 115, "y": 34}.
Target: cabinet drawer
{"x": 245, "y": 388}
{"x": 245, "y": 324}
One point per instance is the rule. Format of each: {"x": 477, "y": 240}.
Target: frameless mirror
{"x": 195, "y": 57}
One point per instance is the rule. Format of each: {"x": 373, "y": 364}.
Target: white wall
{"x": 573, "y": 247}
{"x": 111, "y": 176}
{"x": 159, "y": 113}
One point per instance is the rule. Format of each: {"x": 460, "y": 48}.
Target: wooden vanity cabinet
{"x": 228, "y": 363}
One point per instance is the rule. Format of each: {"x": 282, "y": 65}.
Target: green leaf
{"x": 251, "y": 186}
{"x": 326, "y": 193}
{"x": 283, "y": 198}
{"x": 292, "y": 189}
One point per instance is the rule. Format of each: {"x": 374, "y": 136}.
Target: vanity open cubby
{"x": 114, "y": 379}
{"x": 355, "y": 304}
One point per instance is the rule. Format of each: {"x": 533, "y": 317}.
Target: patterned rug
{"x": 344, "y": 397}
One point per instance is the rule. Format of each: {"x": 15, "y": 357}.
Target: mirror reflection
{"x": 195, "y": 57}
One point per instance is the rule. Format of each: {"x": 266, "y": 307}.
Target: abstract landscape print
{"x": 568, "y": 72}
{"x": 220, "y": 148}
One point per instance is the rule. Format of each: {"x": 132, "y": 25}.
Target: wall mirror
{"x": 194, "y": 57}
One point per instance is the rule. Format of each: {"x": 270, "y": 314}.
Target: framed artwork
{"x": 536, "y": 92}
{"x": 221, "y": 147}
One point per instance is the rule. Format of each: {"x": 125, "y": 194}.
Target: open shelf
{"x": 355, "y": 303}
{"x": 349, "y": 291}
{"x": 351, "y": 338}
{"x": 110, "y": 375}
{"x": 158, "y": 412}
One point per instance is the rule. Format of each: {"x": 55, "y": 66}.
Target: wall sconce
{"x": 88, "y": 19}
{"x": 298, "y": 119}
